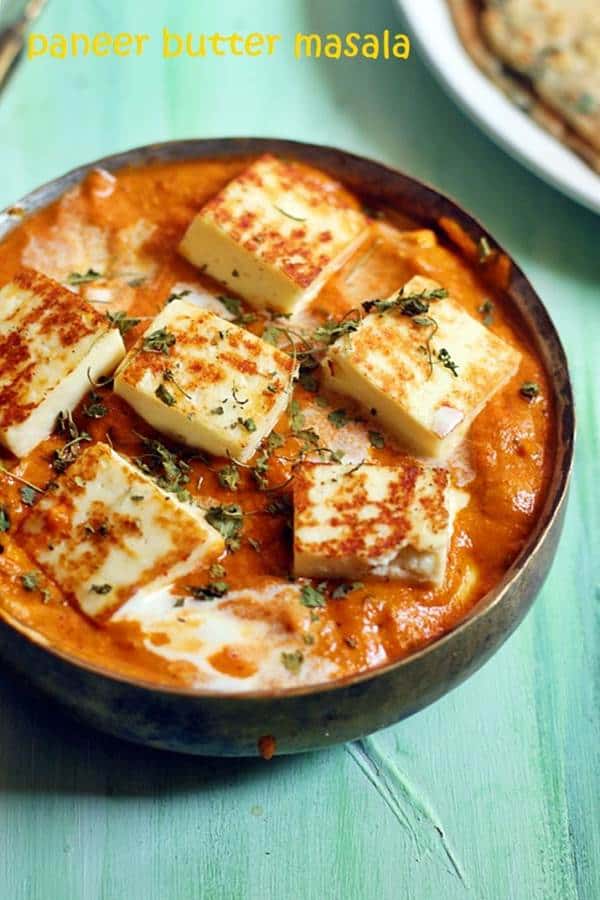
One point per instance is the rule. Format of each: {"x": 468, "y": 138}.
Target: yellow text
{"x": 60, "y": 46}
{"x": 369, "y": 46}
{"x": 175, "y": 45}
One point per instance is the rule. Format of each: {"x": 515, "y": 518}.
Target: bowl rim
{"x": 232, "y": 146}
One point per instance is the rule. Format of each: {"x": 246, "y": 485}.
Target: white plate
{"x": 431, "y": 26}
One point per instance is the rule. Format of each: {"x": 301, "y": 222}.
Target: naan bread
{"x": 545, "y": 54}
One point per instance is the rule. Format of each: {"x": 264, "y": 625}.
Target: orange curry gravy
{"x": 508, "y": 454}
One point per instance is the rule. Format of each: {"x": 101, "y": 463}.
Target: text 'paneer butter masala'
{"x": 253, "y": 433}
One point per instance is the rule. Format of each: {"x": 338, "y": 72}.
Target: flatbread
{"x": 545, "y": 56}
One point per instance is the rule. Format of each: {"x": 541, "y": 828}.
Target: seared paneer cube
{"x": 276, "y": 233}
{"x": 52, "y": 343}
{"x": 421, "y": 367}
{"x": 205, "y": 382}
{"x": 389, "y": 521}
{"x": 108, "y": 532}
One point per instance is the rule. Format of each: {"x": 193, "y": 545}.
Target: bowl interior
{"x": 417, "y": 201}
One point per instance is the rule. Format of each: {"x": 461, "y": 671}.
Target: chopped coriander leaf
{"x": 249, "y": 424}
{"x": 487, "y": 311}
{"x": 292, "y": 661}
{"x": 164, "y": 395}
{"x": 4, "y": 519}
{"x": 309, "y": 437}
{"x": 66, "y": 425}
{"x": 311, "y": 597}
{"x": 122, "y": 321}
{"x": 101, "y": 588}
{"x": 217, "y": 411}
{"x": 329, "y": 332}
{"x": 217, "y": 571}
{"x": 260, "y": 471}
{"x": 271, "y": 334}
{"x": 447, "y": 361}
{"x": 342, "y": 590}
{"x": 296, "y": 416}
{"x": 136, "y": 498}
{"x": 30, "y": 581}
{"x": 76, "y": 278}
{"x": 62, "y": 458}
{"x": 335, "y": 456}
{"x": 234, "y": 307}
{"x": 28, "y": 495}
{"x": 177, "y": 295}
{"x": 229, "y": 521}
{"x": 411, "y": 305}
{"x": 229, "y": 477}
{"x": 171, "y": 472}
{"x": 529, "y": 390}
{"x": 209, "y": 591}
{"x": 416, "y": 307}
{"x": 169, "y": 376}
{"x": 338, "y": 417}
{"x": 159, "y": 341}
{"x": 376, "y": 439}
{"x": 274, "y": 440}
{"x": 95, "y": 408}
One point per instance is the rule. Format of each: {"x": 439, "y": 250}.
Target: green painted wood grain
{"x": 504, "y": 771}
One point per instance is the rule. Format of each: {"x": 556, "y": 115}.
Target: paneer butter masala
{"x": 254, "y": 435}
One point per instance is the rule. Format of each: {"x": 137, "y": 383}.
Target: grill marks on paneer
{"x": 389, "y": 521}
{"x": 420, "y": 366}
{"x": 276, "y": 233}
{"x": 51, "y": 344}
{"x": 107, "y": 532}
{"x": 206, "y": 382}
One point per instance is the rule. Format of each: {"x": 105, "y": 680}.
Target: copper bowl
{"x": 291, "y": 721}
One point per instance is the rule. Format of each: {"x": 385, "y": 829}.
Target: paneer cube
{"x": 423, "y": 369}
{"x": 276, "y": 233}
{"x": 50, "y": 341}
{"x": 206, "y": 382}
{"x": 108, "y": 531}
{"x": 389, "y": 521}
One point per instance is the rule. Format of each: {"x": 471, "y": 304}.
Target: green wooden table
{"x": 494, "y": 791}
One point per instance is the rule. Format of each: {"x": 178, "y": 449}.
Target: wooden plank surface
{"x": 491, "y": 793}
